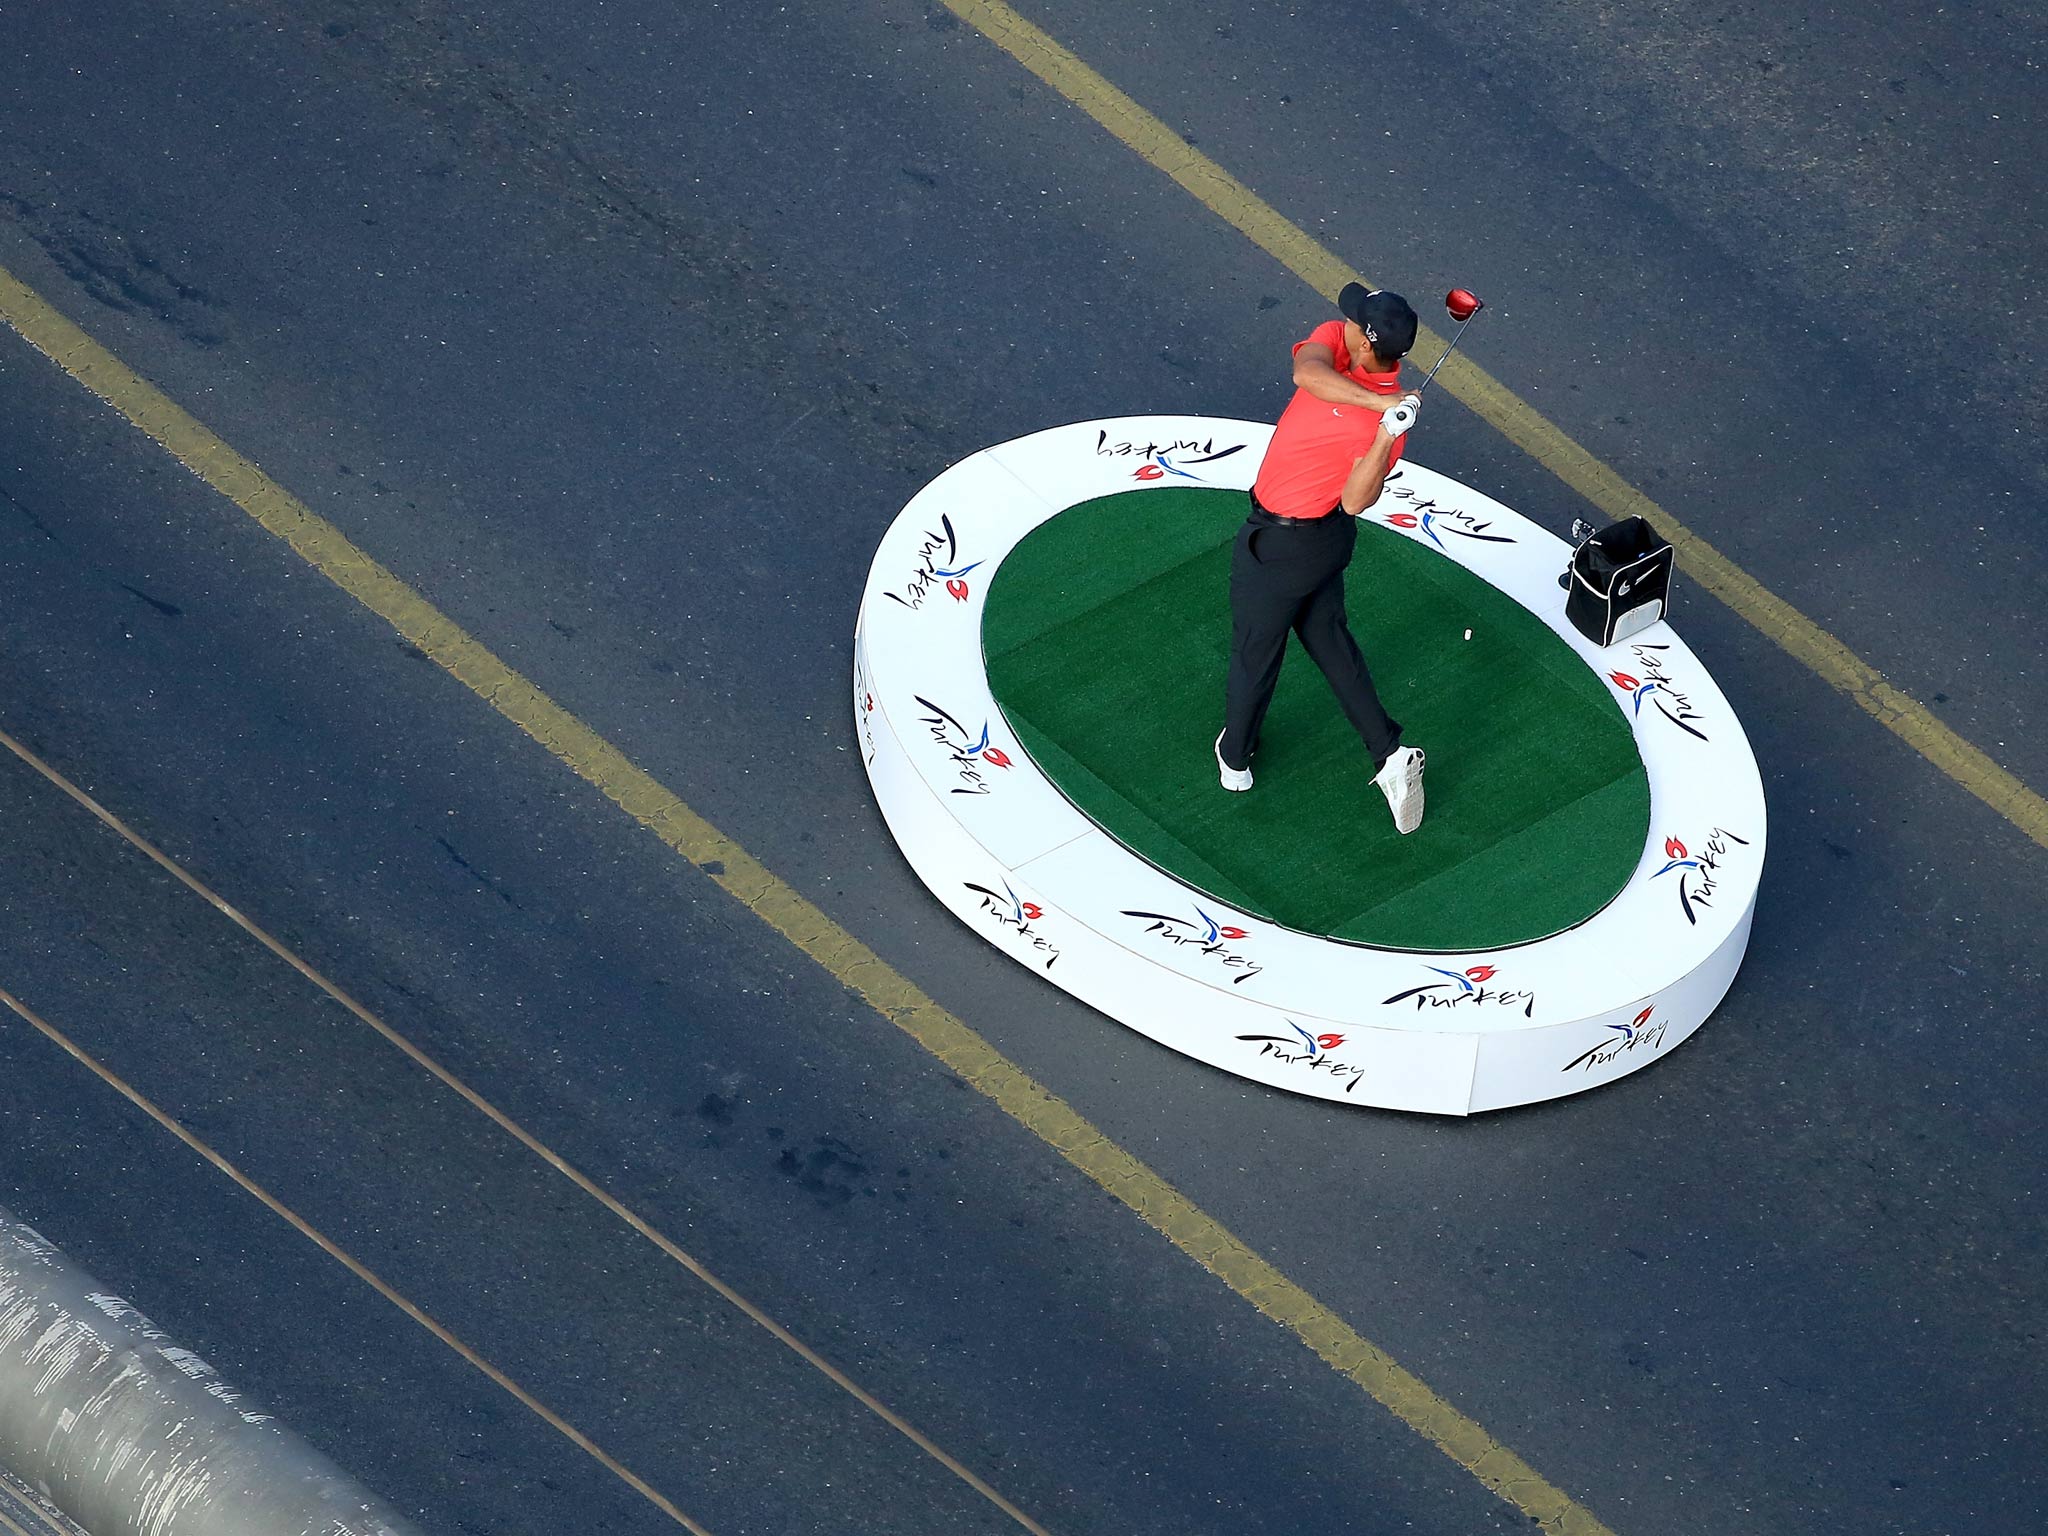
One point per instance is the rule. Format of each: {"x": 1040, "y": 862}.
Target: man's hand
{"x": 1401, "y": 415}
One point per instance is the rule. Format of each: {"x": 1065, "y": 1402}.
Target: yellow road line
{"x": 524, "y": 1137}
{"x": 355, "y": 1266}
{"x": 1237, "y": 205}
{"x": 776, "y": 903}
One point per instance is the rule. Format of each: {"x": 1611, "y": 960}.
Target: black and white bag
{"x": 1619, "y": 580}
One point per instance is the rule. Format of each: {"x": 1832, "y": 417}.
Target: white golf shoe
{"x": 1400, "y": 780}
{"x": 1233, "y": 778}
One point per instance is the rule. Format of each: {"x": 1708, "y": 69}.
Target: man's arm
{"x": 1369, "y": 472}
{"x": 1315, "y": 370}
{"x": 1368, "y": 476}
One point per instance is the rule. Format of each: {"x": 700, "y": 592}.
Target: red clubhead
{"x": 1463, "y": 304}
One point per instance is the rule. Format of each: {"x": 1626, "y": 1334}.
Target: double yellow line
{"x": 977, "y": 1062}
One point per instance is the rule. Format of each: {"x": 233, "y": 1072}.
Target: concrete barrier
{"x": 131, "y": 1436}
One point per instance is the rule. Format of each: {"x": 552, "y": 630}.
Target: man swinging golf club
{"x": 1339, "y": 436}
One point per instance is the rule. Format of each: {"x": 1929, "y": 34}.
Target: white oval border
{"x": 1446, "y": 1034}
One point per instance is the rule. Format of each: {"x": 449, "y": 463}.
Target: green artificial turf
{"x": 1107, "y": 631}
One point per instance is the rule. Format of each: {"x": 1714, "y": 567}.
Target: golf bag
{"x": 1619, "y": 580}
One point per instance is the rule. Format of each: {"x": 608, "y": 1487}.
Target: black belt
{"x": 1266, "y": 519}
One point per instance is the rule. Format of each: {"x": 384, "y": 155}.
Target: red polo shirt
{"x": 1316, "y": 443}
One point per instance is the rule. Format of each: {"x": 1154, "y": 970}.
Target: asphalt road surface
{"x": 620, "y": 332}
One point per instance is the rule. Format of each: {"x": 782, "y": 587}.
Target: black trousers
{"x": 1289, "y": 575}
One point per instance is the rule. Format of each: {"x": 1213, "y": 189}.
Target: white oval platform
{"x": 1448, "y": 1034}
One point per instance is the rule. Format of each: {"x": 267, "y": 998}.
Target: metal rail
{"x": 129, "y": 1435}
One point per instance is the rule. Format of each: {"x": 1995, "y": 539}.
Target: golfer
{"x": 1330, "y": 454}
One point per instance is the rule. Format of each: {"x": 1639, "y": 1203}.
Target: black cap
{"x": 1387, "y": 319}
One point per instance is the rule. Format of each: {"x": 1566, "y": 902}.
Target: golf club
{"x": 1463, "y": 304}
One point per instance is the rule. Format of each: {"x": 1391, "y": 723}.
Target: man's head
{"x": 1385, "y": 323}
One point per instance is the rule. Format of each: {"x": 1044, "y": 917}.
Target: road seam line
{"x": 511, "y": 1127}
{"x": 353, "y": 1265}
{"x": 797, "y": 919}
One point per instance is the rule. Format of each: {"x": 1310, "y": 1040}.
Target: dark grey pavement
{"x": 621, "y": 336}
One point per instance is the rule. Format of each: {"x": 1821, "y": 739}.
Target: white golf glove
{"x": 1399, "y": 417}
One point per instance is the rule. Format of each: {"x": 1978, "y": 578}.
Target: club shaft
{"x": 1455, "y": 339}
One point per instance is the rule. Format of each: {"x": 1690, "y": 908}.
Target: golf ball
{"x": 1468, "y": 634}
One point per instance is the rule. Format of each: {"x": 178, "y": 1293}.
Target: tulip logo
{"x": 1433, "y": 522}
{"x": 1638, "y": 1034}
{"x": 1164, "y": 459}
{"x": 968, "y": 752}
{"x": 1014, "y": 916}
{"x": 1656, "y": 686}
{"x": 937, "y": 561}
{"x": 1464, "y": 988}
{"x": 1635, "y": 688}
{"x": 1311, "y": 1051}
{"x": 1205, "y": 935}
{"x": 1699, "y": 875}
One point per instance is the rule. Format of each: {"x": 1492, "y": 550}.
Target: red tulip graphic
{"x": 1673, "y": 848}
{"x": 1148, "y": 472}
{"x": 1481, "y": 973}
{"x": 995, "y": 755}
{"x": 959, "y": 590}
